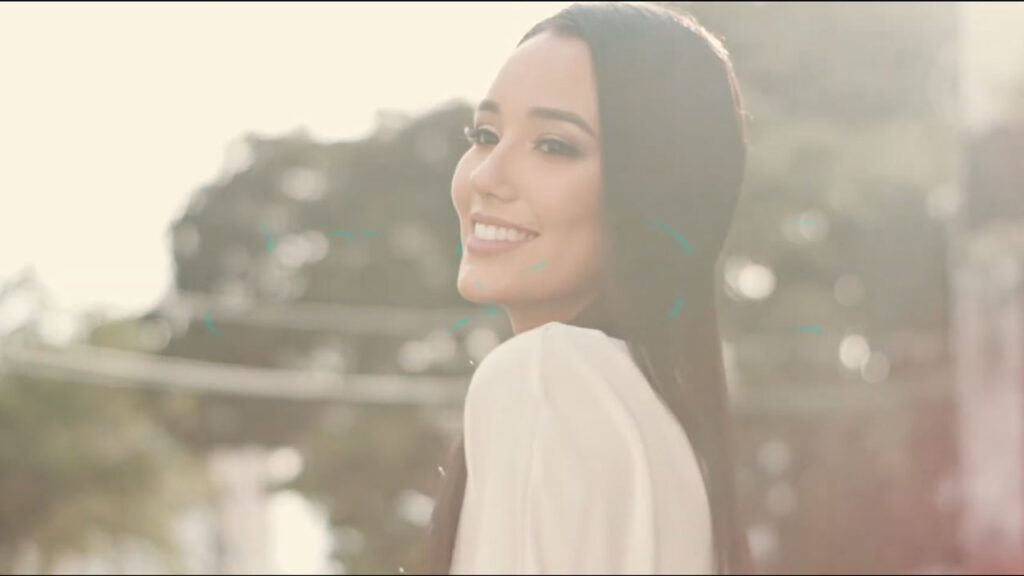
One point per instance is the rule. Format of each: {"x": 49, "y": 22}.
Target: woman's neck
{"x": 524, "y": 317}
{"x": 592, "y": 312}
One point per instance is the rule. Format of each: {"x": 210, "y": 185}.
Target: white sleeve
{"x": 588, "y": 495}
{"x": 558, "y": 475}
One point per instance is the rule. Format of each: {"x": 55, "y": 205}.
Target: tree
{"x": 81, "y": 467}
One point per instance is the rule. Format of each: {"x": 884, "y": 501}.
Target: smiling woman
{"x": 530, "y": 185}
{"x": 597, "y": 439}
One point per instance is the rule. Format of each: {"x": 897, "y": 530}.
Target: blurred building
{"x": 989, "y": 316}
{"x": 987, "y": 258}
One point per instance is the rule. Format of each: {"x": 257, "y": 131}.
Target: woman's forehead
{"x": 548, "y": 70}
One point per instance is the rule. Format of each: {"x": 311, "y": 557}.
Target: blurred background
{"x": 227, "y": 268}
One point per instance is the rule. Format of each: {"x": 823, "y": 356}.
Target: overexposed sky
{"x": 111, "y": 115}
{"x": 991, "y": 59}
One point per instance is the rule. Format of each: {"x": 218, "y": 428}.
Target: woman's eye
{"x": 480, "y": 136}
{"x": 553, "y": 146}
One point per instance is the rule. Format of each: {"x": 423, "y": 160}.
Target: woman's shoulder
{"x": 580, "y": 377}
{"x": 565, "y": 390}
{"x": 562, "y": 416}
{"x": 559, "y": 367}
{"x": 552, "y": 355}
{"x": 552, "y": 344}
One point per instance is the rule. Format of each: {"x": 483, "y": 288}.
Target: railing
{"x": 117, "y": 368}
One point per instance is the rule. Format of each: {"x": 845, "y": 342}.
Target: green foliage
{"x": 361, "y": 461}
{"x": 83, "y": 465}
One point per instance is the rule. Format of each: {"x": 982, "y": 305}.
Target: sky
{"x": 112, "y": 115}
{"x": 991, "y": 59}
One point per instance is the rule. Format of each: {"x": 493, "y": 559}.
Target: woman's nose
{"x": 492, "y": 176}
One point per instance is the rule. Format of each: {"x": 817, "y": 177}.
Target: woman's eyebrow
{"x": 544, "y": 112}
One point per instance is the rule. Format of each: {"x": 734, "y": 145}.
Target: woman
{"x": 605, "y": 166}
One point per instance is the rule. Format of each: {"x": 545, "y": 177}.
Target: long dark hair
{"x": 673, "y": 153}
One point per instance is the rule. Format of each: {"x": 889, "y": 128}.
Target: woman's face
{"x": 528, "y": 191}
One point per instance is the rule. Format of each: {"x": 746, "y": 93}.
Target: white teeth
{"x": 500, "y": 234}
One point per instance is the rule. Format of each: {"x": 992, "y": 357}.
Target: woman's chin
{"x": 480, "y": 295}
{"x": 472, "y": 291}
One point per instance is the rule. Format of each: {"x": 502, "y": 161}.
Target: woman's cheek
{"x": 460, "y": 188}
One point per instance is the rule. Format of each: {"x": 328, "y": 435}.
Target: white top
{"x": 575, "y": 465}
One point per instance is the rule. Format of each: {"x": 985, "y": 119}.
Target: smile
{"x": 487, "y": 239}
{"x": 500, "y": 233}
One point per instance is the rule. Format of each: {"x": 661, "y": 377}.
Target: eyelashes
{"x": 475, "y": 135}
{"x": 557, "y": 147}
{"x": 481, "y": 136}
